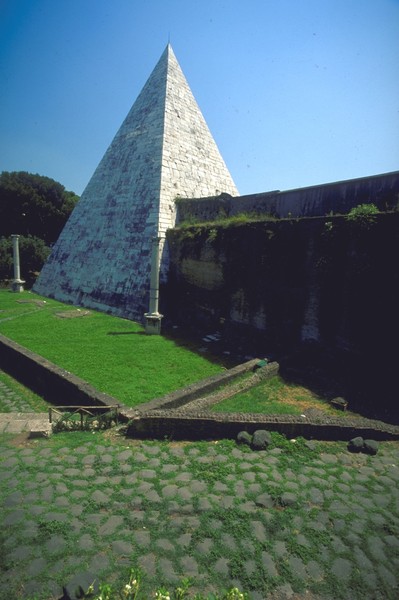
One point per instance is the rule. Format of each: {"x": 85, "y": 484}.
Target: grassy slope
{"x": 274, "y": 396}
{"x": 113, "y": 354}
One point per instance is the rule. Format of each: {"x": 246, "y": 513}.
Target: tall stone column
{"x": 153, "y": 318}
{"x": 17, "y": 284}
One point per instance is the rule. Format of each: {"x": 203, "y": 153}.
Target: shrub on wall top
{"x": 363, "y": 214}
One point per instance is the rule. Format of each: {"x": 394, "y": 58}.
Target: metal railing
{"x": 82, "y": 411}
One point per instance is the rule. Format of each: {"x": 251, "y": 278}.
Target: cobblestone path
{"x": 17, "y": 414}
{"x": 273, "y": 523}
{"x": 11, "y": 401}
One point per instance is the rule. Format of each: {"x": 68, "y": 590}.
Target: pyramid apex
{"x": 169, "y": 50}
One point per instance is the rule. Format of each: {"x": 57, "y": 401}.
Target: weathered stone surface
{"x": 122, "y": 548}
{"x": 110, "y": 525}
{"x": 355, "y": 444}
{"x": 341, "y": 568}
{"x": 288, "y": 499}
{"x": 264, "y": 500}
{"x": 370, "y": 447}
{"x": 261, "y": 439}
{"x": 243, "y": 437}
{"x": 222, "y": 566}
{"x": 269, "y": 564}
{"x": 99, "y": 497}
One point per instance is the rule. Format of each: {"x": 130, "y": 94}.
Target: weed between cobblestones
{"x": 83, "y": 501}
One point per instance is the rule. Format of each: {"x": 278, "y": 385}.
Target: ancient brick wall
{"x": 278, "y": 284}
{"x": 319, "y": 200}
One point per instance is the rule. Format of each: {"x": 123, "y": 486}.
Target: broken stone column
{"x": 17, "y": 284}
{"x": 153, "y": 318}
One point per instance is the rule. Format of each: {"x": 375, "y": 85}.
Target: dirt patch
{"x": 37, "y": 302}
{"x": 21, "y": 440}
{"x": 72, "y": 314}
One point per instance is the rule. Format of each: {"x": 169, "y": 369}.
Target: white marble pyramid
{"x": 163, "y": 150}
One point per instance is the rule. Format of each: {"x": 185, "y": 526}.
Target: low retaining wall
{"x": 165, "y": 416}
{"x": 54, "y": 384}
{"x": 215, "y": 426}
{"x": 205, "y": 386}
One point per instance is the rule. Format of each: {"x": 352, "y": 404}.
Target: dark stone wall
{"x": 213, "y": 427}
{"x": 318, "y": 200}
{"x": 282, "y": 284}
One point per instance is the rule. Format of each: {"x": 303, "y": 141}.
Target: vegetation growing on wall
{"x": 271, "y": 276}
{"x": 363, "y": 214}
{"x": 223, "y": 220}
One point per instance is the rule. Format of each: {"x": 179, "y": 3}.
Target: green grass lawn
{"x": 112, "y": 354}
{"x": 275, "y": 397}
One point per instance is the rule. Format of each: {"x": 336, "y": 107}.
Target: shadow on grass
{"x": 367, "y": 387}
{"x": 126, "y": 333}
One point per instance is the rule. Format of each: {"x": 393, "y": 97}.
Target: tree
{"x": 33, "y": 205}
{"x": 36, "y": 208}
{"x": 33, "y": 254}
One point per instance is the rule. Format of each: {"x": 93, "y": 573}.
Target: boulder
{"x": 244, "y": 438}
{"x": 339, "y": 403}
{"x": 370, "y": 447}
{"x": 356, "y": 444}
{"x": 261, "y": 439}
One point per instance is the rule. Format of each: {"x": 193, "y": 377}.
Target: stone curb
{"x": 210, "y": 426}
{"x": 37, "y": 424}
{"x": 197, "y": 390}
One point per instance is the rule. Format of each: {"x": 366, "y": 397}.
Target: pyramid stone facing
{"x": 163, "y": 150}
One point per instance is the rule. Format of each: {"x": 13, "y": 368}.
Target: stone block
{"x": 261, "y": 439}
{"x": 356, "y": 444}
{"x": 243, "y": 437}
{"x": 370, "y": 447}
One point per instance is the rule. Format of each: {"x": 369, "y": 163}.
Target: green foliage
{"x": 328, "y": 225}
{"x": 133, "y": 591}
{"x": 222, "y": 220}
{"x": 36, "y": 208}
{"x": 49, "y": 528}
{"x": 33, "y": 205}
{"x": 363, "y": 214}
{"x": 33, "y": 253}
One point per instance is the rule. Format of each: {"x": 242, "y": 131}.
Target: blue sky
{"x": 295, "y": 92}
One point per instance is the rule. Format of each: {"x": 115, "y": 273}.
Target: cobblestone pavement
{"x": 16, "y": 414}
{"x": 275, "y": 523}
{"x": 11, "y": 401}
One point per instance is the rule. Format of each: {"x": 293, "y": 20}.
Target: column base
{"x": 17, "y": 285}
{"x": 153, "y": 323}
